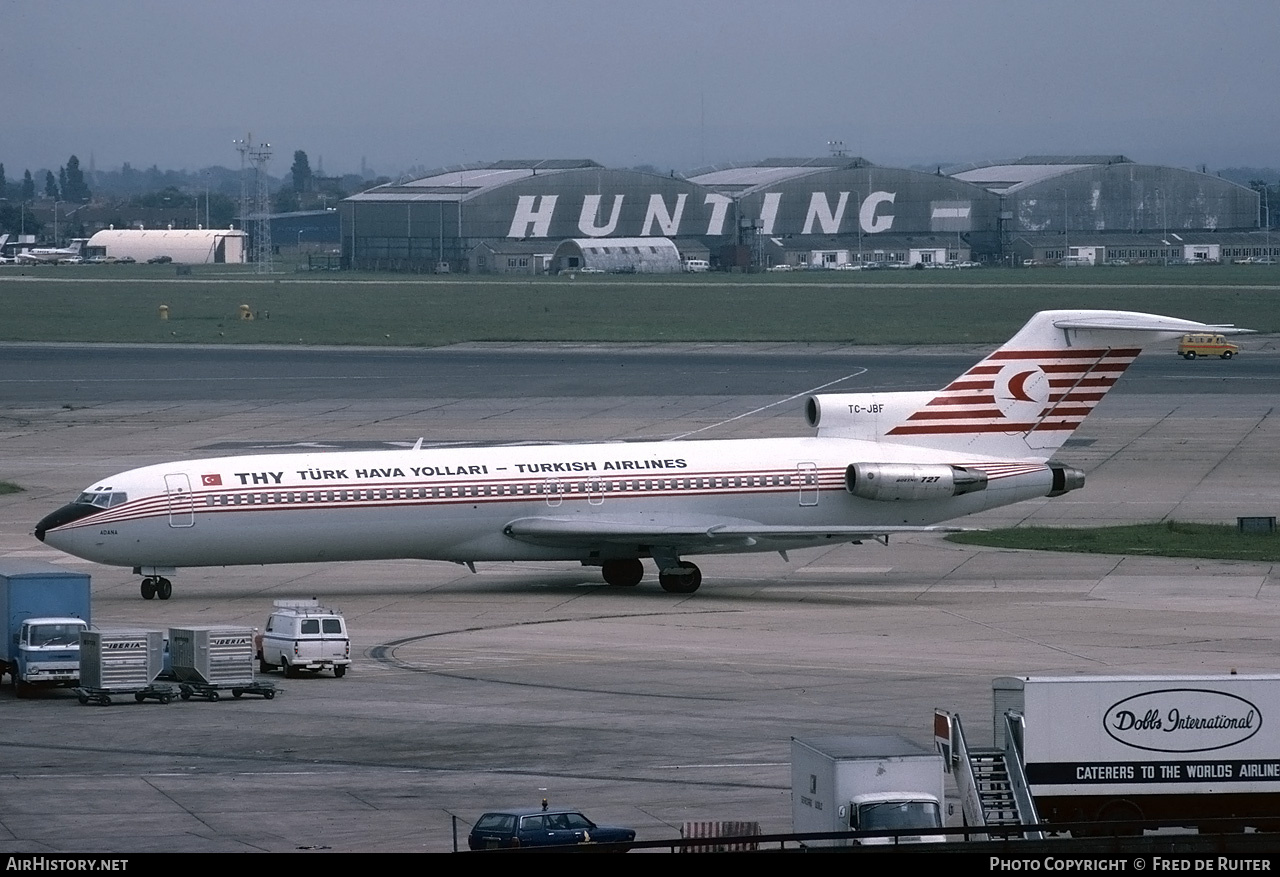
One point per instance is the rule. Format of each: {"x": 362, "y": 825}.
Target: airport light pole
{"x": 55, "y": 221}
{"x": 1164, "y": 224}
{"x": 1066, "y": 231}
{"x": 1266, "y": 207}
{"x": 858, "y": 221}
{"x": 1164, "y": 220}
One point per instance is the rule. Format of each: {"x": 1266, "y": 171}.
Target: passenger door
{"x": 181, "y": 503}
{"x": 807, "y": 474}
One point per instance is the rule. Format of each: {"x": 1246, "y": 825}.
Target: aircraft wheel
{"x": 148, "y": 588}
{"x": 684, "y": 582}
{"x": 625, "y": 573}
{"x": 164, "y": 589}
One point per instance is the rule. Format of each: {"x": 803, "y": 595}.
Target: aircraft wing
{"x": 690, "y": 533}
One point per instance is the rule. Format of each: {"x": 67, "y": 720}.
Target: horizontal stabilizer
{"x": 1135, "y": 322}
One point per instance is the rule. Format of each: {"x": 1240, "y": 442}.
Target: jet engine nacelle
{"x": 862, "y": 415}
{"x": 896, "y": 482}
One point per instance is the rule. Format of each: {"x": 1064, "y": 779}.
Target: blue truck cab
{"x": 44, "y": 608}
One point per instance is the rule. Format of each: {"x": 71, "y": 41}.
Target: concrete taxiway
{"x": 644, "y": 708}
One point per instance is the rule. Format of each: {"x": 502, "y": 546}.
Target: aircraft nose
{"x": 65, "y": 515}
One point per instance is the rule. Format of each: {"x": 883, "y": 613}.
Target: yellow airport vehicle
{"x": 1203, "y": 344}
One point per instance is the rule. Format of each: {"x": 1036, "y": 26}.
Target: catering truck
{"x": 44, "y": 608}
{"x": 865, "y": 783}
{"x": 1120, "y": 749}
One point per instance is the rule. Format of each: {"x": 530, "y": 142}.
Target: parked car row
{"x": 877, "y": 266}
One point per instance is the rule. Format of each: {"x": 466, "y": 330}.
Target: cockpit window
{"x": 103, "y": 499}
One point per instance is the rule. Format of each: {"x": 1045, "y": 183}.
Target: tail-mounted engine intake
{"x": 906, "y": 482}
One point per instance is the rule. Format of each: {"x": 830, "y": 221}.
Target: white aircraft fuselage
{"x": 457, "y": 504}
{"x": 52, "y": 255}
{"x": 880, "y": 464}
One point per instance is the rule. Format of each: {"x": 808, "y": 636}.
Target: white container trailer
{"x": 1115, "y": 748}
{"x": 120, "y": 659}
{"x": 215, "y": 656}
{"x": 865, "y": 783}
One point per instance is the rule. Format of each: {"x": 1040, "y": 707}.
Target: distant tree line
{"x": 68, "y": 185}
{"x": 214, "y": 191}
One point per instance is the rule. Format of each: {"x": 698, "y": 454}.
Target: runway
{"x": 644, "y": 708}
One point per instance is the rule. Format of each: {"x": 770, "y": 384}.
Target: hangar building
{"x": 1075, "y": 206}
{"x": 511, "y": 216}
{"x": 190, "y": 246}
{"x": 618, "y": 255}
{"x": 827, "y": 211}
{"x": 440, "y": 219}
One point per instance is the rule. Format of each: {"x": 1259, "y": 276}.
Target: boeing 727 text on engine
{"x": 880, "y": 464}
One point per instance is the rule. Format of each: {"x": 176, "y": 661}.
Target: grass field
{"x": 120, "y": 304}
{"x": 1169, "y": 539}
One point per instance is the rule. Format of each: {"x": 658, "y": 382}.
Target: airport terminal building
{"x": 547, "y": 216}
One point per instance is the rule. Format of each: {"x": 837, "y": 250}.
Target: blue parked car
{"x": 536, "y": 827}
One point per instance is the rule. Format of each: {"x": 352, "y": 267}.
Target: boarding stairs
{"x": 993, "y": 788}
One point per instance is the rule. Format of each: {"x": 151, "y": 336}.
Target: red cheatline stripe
{"x": 968, "y": 385}
{"x": 825, "y": 484}
{"x": 1084, "y": 382}
{"x": 976, "y": 399}
{"x": 957, "y": 415}
{"x": 158, "y": 505}
{"x": 962, "y": 429}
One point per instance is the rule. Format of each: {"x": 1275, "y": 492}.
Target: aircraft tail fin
{"x": 1026, "y": 398}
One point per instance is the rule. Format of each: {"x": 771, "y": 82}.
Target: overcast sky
{"x": 674, "y": 84}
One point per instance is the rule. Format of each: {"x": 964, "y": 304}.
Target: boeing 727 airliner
{"x": 880, "y": 464}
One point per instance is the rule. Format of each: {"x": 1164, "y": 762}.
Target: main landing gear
{"x": 681, "y": 577}
{"x": 156, "y": 586}
{"x": 676, "y": 576}
{"x": 623, "y": 573}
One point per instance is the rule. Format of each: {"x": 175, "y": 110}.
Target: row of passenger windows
{"x": 542, "y": 488}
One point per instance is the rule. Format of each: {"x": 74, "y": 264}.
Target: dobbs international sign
{"x": 1182, "y": 720}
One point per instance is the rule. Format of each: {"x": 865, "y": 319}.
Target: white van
{"x": 303, "y": 635}
{"x": 696, "y": 266}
